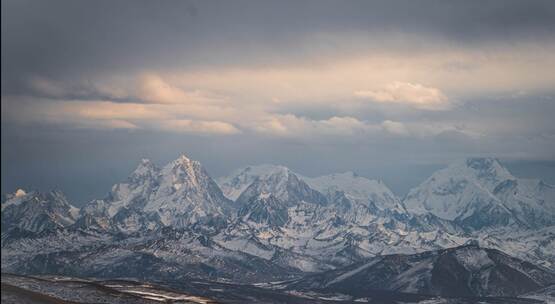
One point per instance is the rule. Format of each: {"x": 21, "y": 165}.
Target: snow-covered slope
{"x": 35, "y": 211}
{"x": 354, "y": 187}
{"x": 480, "y": 193}
{"x": 531, "y": 201}
{"x": 264, "y": 209}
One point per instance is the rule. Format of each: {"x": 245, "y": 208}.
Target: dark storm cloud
{"x": 69, "y": 56}
{"x": 63, "y": 38}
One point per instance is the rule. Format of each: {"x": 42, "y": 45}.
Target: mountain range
{"x": 267, "y": 223}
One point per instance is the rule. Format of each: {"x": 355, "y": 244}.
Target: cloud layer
{"x": 359, "y": 95}
{"x": 415, "y": 95}
{"x": 324, "y": 85}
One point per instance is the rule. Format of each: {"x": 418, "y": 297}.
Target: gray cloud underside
{"x": 321, "y": 86}
{"x": 75, "y": 37}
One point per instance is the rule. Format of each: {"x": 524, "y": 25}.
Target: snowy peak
{"x": 357, "y": 188}
{"x": 15, "y": 198}
{"x": 275, "y": 179}
{"x": 488, "y": 172}
{"x": 285, "y": 185}
{"x": 131, "y": 193}
{"x": 184, "y": 186}
{"x": 486, "y": 164}
{"x": 35, "y": 211}
{"x": 233, "y": 185}
{"x": 182, "y": 173}
{"x": 146, "y": 169}
{"x": 480, "y": 193}
{"x": 184, "y": 162}
{"x": 178, "y": 194}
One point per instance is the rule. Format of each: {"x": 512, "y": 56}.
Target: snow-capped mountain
{"x": 354, "y": 187}
{"x": 480, "y": 193}
{"x": 461, "y": 271}
{"x": 179, "y": 194}
{"x": 175, "y": 221}
{"x": 358, "y": 189}
{"x": 234, "y": 184}
{"x": 285, "y": 186}
{"x": 36, "y": 212}
{"x": 282, "y": 216}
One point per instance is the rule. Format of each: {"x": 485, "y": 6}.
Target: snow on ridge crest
{"x": 20, "y": 193}
{"x": 15, "y": 198}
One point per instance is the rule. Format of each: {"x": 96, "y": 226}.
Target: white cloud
{"x": 214, "y": 119}
{"x": 98, "y": 124}
{"x": 415, "y": 95}
{"x": 395, "y": 127}
{"x": 293, "y": 126}
{"x": 113, "y": 124}
{"x": 198, "y": 127}
{"x": 427, "y": 129}
{"x": 228, "y": 100}
{"x": 106, "y": 110}
{"x": 110, "y": 115}
{"x": 152, "y": 88}
{"x": 46, "y": 87}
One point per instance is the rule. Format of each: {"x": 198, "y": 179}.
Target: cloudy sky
{"x": 389, "y": 89}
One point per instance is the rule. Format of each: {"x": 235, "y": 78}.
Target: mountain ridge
{"x": 177, "y": 216}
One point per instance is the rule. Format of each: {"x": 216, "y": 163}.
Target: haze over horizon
{"x": 90, "y": 88}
